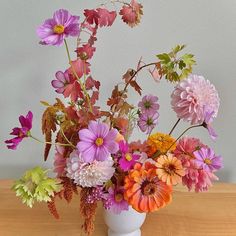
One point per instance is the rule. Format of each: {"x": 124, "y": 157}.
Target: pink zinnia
{"x": 198, "y": 179}
{"x": 97, "y": 142}
{"x": 127, "y": 160}
{"x": 191, "y": 96}
{"x": 185, "y": 149}
{"x": 53, "y": 31}
{"x": 21, "y": 133}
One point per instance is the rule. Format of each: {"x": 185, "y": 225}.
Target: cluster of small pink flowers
{"x": 200, "y": 163}
{"x": 148, "y": 113}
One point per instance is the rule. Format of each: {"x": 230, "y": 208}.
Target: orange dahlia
{"x": 144, "y": 191}
{"x": 160, "y": 142}
{"x": 170, "y": 169}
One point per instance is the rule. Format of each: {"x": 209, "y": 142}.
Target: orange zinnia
{"x": 144, "y": 191}
{"x": 170, "y": 169}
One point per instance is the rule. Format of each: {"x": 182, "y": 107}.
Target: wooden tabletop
{"x": 190, "y": 214}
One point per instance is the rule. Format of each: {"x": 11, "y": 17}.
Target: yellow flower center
{"x": 58, "y": 29}
{"x": 207, "y": 161}
{"x": 118, "y": 197}
{"x": 128, "y": 157}
{"x": 99, "y": 141}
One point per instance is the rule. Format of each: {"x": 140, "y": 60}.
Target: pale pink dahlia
{"x": 191, "y": 96}
{"x": 89, "y": 174}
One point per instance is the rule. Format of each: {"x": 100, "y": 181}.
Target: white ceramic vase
{"x": 127, "y": 223}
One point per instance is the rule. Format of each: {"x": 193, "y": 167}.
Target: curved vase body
{"x": 127, "y": 223}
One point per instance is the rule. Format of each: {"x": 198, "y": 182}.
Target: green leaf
{"x": 164, "y": 57}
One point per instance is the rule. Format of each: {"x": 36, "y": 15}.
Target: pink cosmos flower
{"x": 61, "y": 81}
{"x": 21, "y": 133}
{"x": 207, "y": 124}
{"x": 118, "y": 203}
{"x": 147, "y": 122}
{"x": 97, "y": 142}
{"x": 131, "y": 14}
{"x": 149, "y": 104}
{"x": 206, "y": 159}
{"x": 60, "y": 161}
{"x": 127, "y": 160}
{"x": 53, "y": 31}
{"x": 191, "y": 96}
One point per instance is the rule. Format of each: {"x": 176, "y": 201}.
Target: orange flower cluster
{"x": 160, "y": 142}
{"x": 144, "y": 191}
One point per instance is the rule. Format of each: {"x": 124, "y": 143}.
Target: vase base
{"x": 134, "y": 233}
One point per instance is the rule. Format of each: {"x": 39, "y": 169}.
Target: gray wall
{"x": 207, "y": 27}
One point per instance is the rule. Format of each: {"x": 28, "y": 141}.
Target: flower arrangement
{"x": 93, "y": 151}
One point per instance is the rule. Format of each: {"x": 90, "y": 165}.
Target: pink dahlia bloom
{"x": 191, "y": 96}
{"x": 97, "y": 142}
{"x": 53, "y": 31}
{"x": 22, "y": 132}
{"x": 60, "y": 161}
{"x": 89, "y": 174}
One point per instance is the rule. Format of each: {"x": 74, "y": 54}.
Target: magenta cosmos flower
{"x": 149, "y": 104}
{"x": 127, "y": 159}
{"x": 97, "y": 142}
{"x": 53, "y": 31}
{"x": 206, "y": 159}
{"x": 21, "y": 133}
{"x": 191, "y": 96}
{"x": 116, "y": 198}
{"x": 147, "y": 122}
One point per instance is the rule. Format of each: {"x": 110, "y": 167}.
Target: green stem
{"x": 159, "y": 153}
{"x": 75, "y": 74}
{"x": 191, "y": 127}
{"x": 60, "y": 144}
{"x": 174, "y": 126}
{"x": 67, "y": 140}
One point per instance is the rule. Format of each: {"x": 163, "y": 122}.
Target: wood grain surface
{"x": 190, "y": 214}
